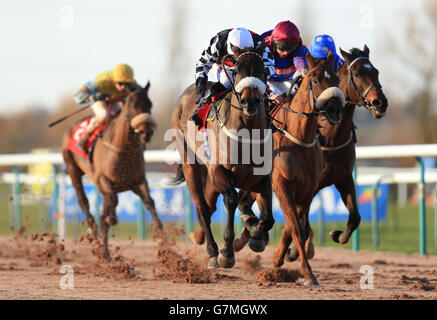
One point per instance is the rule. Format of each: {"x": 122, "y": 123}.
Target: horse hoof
{"x": 111, "y": 220}
{"x": 238, "y": 244}
{"x": 292, "y": 254}
{"x": 311, "y": 282}
{"x": 257, "y": 245}
{"x": 226, "y": 262}
{"x": 192, "y": 237}
{"x": 335, "y": 235}
{"x": 212, "y": 263}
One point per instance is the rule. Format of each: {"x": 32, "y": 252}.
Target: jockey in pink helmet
{"x": 289, "y": 53}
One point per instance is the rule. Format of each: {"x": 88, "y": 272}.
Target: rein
{"x": 128, "y": 119}
{"x": 313, "y": 114}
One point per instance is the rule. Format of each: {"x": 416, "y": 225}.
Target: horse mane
{"x": 356, "y": 53}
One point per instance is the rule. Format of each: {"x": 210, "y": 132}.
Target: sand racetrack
{"x": 29, "y": 269}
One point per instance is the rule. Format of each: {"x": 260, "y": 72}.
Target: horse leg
{"x": 264, "y": 200}
{"x": 285, "y": 192}
{"x": 281, "y": 250}
{"x": 211, "y": 196}
{"x": 110, "y": 202}
{"x": 142, "y": 191}
{"x": 349, "y": 197}
{"x": 192, "y": 173}
{"x": 245, "y": 203}
{"x": 221, "y": 182}
{"x": 76, "y": 174}
{"x": 292, "y": 253}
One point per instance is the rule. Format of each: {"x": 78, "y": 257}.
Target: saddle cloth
{"x": 79, "y": 131}
{"x": 207, "y": 112}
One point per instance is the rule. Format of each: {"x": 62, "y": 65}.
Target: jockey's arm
{"x": 269, "y": 63}
{"x": 87, "y": 93}
{"x": 300, "y": 62}
{"x": 209, "y": 57}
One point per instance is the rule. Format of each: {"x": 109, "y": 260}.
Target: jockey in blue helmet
{"x": 320, "y": 47}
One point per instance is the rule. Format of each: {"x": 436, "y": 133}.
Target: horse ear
{"x": 331, "y": 59}
{"x": 346, "y": 56}
{"x": 366, "y": 50}
{"x": 146, "y": 88}
{"x": 310, "y": 60}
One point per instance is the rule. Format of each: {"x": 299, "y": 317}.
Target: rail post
{"x": 356, "y": 234}
{"x": 188, "y": 213}
{"x": 375, "y": 221}
{"x": 435, "y": 216}
{"x": 95, "y": 206}
{"x": 141, "y": 220}
{"x": 55, "y": 196}
{"x": 422, "y": 208}
{"x": 321, "y": 220}
{"x": 16, "y": 194}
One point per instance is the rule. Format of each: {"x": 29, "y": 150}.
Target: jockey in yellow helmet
{"x": 103, "y": 92}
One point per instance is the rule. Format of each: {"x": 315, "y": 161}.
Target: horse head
{"x": 249, "y": 83}
{"x": 137, "y": 111}
{"x": 323, "y": 84}
{"x": 363, "y": 87}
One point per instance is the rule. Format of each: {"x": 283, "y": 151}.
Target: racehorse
{"x": 360, "y": 83}
{"x": 230, "y": 164}
{"x": 117, "y": 162}
{"x": 297, "y": 164}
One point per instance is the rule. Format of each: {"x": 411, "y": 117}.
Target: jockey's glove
{"x": 201, "y": 86}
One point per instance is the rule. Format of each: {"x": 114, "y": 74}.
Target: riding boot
{"x": 82, "y": 143}
{"x": 206, "y": 99}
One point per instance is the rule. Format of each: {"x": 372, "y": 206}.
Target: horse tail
{"x": 179, "y": 177}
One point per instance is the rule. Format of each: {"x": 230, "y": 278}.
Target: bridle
{"x": 220, "y": 121}
{"x": 364, "y": 102}
{"x": 315, "y": 113}
{"x": 234, "y": 91}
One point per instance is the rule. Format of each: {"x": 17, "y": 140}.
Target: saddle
{"x": 80, "y": 130}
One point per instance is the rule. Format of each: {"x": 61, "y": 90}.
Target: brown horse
{"x": 297, "y": 162}
{"x": 117, "y": 162}
{"x": 231, "y": 164}
{"x": 360, "y": 84}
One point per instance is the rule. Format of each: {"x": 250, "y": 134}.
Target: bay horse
{"x": 230, "y": 165}
{"x": 359, "y": 82}
{"x": 117, "y": 162}
{"x": 297, "y": 164}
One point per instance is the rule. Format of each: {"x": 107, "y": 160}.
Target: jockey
{"x": 289, "y": 53}
{"x": 320, "y": 47}
{"x": 102, "y": 92}
{"x": 229, "y": 41}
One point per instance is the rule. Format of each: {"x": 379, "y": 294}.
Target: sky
{"x": 50, "y": 48}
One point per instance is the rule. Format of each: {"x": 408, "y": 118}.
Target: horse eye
{"x": 356, "y": 74}
{"x": 316, "y": 82}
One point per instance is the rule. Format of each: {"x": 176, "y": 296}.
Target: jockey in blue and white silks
{"x": 320, "y": 47}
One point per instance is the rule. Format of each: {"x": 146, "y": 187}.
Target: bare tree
{"x": 414, "y": 67}
{"x": 175, "y": 69}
